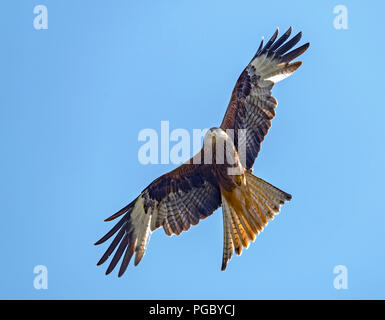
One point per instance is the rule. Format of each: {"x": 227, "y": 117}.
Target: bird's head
{"x": 216, "y": 142}
{"x": 214, "y": 136}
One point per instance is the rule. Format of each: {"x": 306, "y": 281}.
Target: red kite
{"x": 194, "y": 190}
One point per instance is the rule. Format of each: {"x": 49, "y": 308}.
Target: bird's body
{"x": 220, "y": 174}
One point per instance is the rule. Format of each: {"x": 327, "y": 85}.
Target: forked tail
{"x": 246, "y": 210}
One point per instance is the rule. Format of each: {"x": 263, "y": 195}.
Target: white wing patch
{"x": 270, "y": 69}
{"x": 141, "y": 228}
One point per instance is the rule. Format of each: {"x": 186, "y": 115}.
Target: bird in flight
{"x": 220, "y": 174}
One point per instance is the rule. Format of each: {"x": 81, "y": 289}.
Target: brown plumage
{"x": 194, "y": 190}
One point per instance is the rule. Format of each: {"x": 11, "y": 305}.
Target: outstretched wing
{"x": 174, "y": 201}
{"x": 252, "y": 107}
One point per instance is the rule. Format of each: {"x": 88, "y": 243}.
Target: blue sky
{"x": 74, "y": 98}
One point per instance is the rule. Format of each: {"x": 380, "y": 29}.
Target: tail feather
{"x": 252, "y": 222}
{"x": 246, "y": 223}
{"x": 259, "y": 219}
{"x": 264, "y": 210}
{"x": 240, "y": 230}
{"x": 228, "y": 245}
{"x": 267, "y": 193}
{"x": 244, "y": 218}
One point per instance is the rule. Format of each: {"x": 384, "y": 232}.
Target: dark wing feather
{"x": 252, "y": 106}
{"x": 174, "y": 201}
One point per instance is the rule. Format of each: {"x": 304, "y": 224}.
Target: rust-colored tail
{"x": 246, "y": 210}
